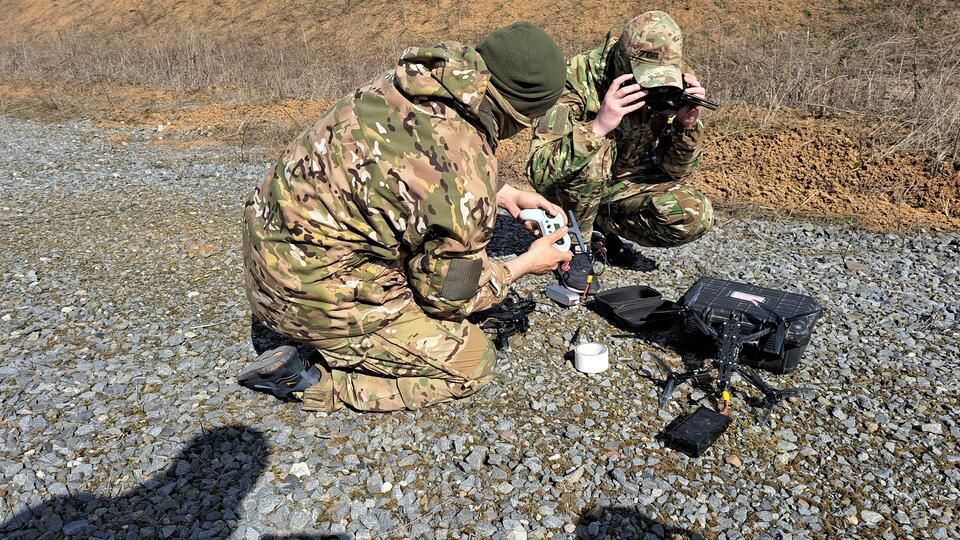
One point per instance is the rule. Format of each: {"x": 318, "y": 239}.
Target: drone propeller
{"x": 704, "y": 327}
{"x": 669, "y": 384}
{"x": 668, "y": 387}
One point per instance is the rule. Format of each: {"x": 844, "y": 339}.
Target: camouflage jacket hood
{"x": 449, "y": 71}
{"x": 591, "y": 73}
{"x": 389, "y": 198}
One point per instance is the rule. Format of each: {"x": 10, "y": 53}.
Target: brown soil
{"x": 815, "y": 166}
{"x": 786, "y": 163}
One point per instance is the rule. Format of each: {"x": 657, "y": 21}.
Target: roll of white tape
{"x": 591, "y": 358}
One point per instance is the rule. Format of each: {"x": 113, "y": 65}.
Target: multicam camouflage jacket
{"x": 647, "y": 146}
{"x": 389, "y": 198}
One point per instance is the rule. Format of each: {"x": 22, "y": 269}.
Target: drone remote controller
{"x": 547, "y": 225}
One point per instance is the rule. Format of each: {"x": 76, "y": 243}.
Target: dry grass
{"x": 235, "y": 67}
{"x": 895, "y": 68}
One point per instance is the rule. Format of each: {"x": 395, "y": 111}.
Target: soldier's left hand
{"x": 688, "y": 116}
{"x": 514, "y": 200}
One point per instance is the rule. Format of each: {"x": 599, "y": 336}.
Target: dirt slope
{"x": 366, "y": 25}
{"x": 795, "y": 164}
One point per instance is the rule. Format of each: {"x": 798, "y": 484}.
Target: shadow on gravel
{"x": 198, "y": 494}
{"x": 264, "y": 339}
{"x": 626, "y": 522}
{"x": 307, "y": 537}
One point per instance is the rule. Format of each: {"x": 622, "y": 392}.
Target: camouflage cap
{"x": 654, "y": 45}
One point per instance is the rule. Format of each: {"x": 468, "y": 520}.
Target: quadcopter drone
{"x": 751, "y": 328}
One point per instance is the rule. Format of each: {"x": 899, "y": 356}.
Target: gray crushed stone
{"x": 124, "y": 323}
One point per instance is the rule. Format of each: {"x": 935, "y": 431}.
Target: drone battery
{"x": 793, "y": 315}
{"x": 694, "y": 433}
{"x": 562, "y": 295}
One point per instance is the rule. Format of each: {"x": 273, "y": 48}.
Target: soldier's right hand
{"x": 618, "y": 102}
{"x": 543, "y": 257}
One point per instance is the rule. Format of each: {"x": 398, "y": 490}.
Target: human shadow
{"x": 626, "y": 522}
{"x": 198, "y": 494}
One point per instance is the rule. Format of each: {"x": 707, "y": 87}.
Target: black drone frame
{"x": 507, "y": 318}
{"x": 730, "y": 341}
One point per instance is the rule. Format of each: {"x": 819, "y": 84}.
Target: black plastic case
{"x": 714, "y": 301}
{"x": 694, "y": 433}
{"x": 635, "y": 307}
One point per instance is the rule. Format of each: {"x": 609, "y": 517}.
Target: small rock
{"x": 786, "y": 446}
{"x": 733, "y": 460}
{"x": 475, "y": 458}
{"x": 871, "y": 517}
{"x": 855, "y": 266}
{"x": 300, "y": 469}
{"x": 574, "y": 476}
{"x": 514, "y": 530}
{"x": 75, "y": 526}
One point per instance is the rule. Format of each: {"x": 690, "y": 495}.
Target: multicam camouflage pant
{"x": 653, "y": 212}
{"x": 412, "y": 362}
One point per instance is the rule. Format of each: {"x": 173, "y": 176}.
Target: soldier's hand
{"x": 514, "y": 200}
{"x": 618, "y": 102}
{"x": 688, "y": 116}
{"x": 542, "y": 257}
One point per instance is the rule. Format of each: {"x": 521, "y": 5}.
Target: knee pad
{"x": 684, "y": 215}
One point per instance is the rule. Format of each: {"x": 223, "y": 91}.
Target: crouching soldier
{"x": 367, "y": 239}
{"x": 620, "y": 160}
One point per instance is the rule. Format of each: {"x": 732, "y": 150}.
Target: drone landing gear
{"x": 771, "y": 396}
{"x": 674, "y": 379}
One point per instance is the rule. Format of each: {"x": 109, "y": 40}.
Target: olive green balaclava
{"x": 526, "y": 66}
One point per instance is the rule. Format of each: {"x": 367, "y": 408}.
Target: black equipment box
{"x": 694, "y": 433}
{"x": 789, "y": 317}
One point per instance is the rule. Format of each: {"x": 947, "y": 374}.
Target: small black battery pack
{"x": 692, "y": 434}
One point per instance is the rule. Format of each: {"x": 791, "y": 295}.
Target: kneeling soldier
{"x": 367, "y": 240}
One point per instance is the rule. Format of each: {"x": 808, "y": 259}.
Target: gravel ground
{"x": 124, "y": 324}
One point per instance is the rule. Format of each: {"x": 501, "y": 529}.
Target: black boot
{"x": 579, "y": 268}
{"x": 280, "y": 372}
{"x": 617, "y": 252}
